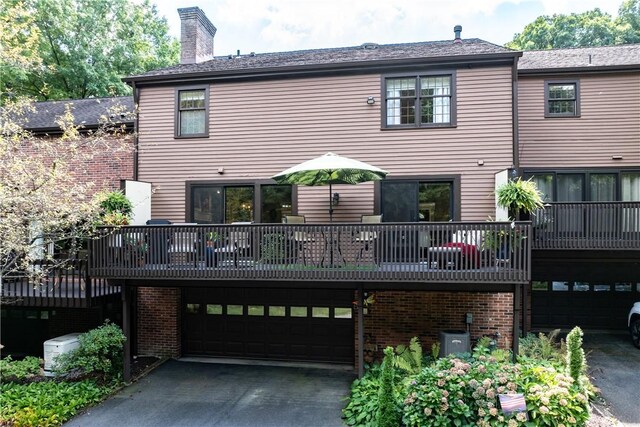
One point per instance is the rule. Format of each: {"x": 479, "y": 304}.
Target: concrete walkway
{"x": 206, "y": 394}
{"x": 615, "y": 369}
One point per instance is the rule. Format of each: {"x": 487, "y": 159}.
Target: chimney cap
{"x": 196, "y": 12}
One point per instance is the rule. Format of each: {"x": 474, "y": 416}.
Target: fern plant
{"x": 409, "y": 358}
{"x": 519, "y": 196}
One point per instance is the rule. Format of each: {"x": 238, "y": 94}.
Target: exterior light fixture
{"x": 371, "y": 100}
{"x": 616, "y": 157}
{"x": 335, "y": 199}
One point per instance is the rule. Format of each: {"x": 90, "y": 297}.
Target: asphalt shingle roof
{"x": 86, "y": 112}
{"x": 333, "y": 56}
{"x": 604, "y": 56}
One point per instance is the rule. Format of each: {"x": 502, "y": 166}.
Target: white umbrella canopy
{"x": 330, "y": 169}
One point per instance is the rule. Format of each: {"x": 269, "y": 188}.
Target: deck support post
{"x": 126, "y": 328}
{"x": 525, "y": 309}
{"x": 360, "y": 330}
{"x": 517, "y": 292}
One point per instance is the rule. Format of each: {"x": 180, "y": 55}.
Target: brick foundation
{"x": 397, "y": 316}
{"x": 159, "y": 323}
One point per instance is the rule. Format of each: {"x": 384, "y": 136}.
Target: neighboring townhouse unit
{"x": 579, "y": 140}
{"x": 69, "y": 300}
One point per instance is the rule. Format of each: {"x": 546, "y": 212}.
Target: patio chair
{"x": 366, "y": 239}
{"x": 294, "y": 219}
{"x": 301, "y": 239}
{"x": 238, "y": 242}
{"x": 183, "y": 249}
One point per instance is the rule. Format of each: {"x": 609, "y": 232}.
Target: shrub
{"x": 46, "y": 403}
{"x": 575, "y": 356}
{"x": 551, "y": 399}
{"x": 19, "y": 370}
{"x": 100, "y": 354}
{"x": 458, "y": 392}
{"x": 543, "y": 347}
{"x": 388, "y": 415}
{"x": 362, "y": 408}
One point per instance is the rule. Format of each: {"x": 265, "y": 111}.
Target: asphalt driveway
{"x": 206, "y": 394}
{"x": 615, "y": 369}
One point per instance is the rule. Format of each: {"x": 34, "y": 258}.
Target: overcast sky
{"x": 282, "y": 25}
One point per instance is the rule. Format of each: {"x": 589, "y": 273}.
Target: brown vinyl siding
{"x": 609, "y": 124}
{"x": 258, "y": 128}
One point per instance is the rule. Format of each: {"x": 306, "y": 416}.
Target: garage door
{"x": 279, "y": 324}
{"x": 558, "y": 304}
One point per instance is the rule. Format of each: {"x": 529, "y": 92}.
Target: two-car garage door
{"x": 278, "y": 324}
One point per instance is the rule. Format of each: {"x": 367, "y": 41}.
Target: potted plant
{"x": 519, "y": 197}
{"x": 116, "y": 208}
{"x": 136, "y": 248}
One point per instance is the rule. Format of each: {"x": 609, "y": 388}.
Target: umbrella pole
{"x": 330, "y": 204}
{"x": 331, "y": 222}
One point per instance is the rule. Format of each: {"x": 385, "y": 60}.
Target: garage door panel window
{"x": 256, "y": 310}
{"x": 342, "y": 313}
{"x": 193, "y": 308}
{"x": 214, "y": 308}
{"x": 320, "y": 312}
{"x": 277, "y": 311}
{"x": 234, "y": 310}
{"x": 298, "y": 311}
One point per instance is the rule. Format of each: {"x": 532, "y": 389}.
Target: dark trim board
{"x": 378, "y": 286}
{"x": 588, "y": 266}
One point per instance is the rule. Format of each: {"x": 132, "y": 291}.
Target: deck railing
{"x": 587, "y": 226}
{"x": 55, "y": 283}
{"x": 451, "y": 252}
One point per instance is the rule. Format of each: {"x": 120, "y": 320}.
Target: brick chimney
{"x": 457, "y": 30}
{"x": 196, "y": 36}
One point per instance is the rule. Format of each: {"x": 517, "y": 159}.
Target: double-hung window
{"x": 192, "y": 111}
{"x": 562, "y": 99}
{"x": 426, "y": 100}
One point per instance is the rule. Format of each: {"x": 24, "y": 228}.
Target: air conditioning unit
{"x": 454, "y": 342}
{"x": 56, "y": 346}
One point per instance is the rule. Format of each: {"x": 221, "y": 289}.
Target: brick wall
{"x": 397, "y": 316}
{"x": 159, "y": 325}
{"x": 106, "y": 170}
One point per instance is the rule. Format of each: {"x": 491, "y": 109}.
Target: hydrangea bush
{"x": 460, "y": 392}
{"x": 463, "y": 390}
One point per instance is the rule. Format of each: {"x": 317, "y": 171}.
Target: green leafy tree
{"x": 591, "y": 28}
{"x": 79, "y": 48}
{"x": 629, "y": 20}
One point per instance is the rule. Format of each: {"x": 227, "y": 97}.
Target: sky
{"x": 283, "y": 25}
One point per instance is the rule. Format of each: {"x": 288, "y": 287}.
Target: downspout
{"x": 136, "y": 97}
{"x": 514, "y": 108}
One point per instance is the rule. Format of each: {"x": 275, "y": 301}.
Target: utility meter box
{"x": 57, "y": 346}
{"x": 454, "y": 342}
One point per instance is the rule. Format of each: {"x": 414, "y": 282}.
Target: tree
{"x": 591, "y": 28}
{"x": 44, "y": 200}
{"x": 80, "y": 48}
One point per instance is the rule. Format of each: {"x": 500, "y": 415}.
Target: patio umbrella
{"x": 330, "y": 169}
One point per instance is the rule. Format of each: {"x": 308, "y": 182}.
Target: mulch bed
{"x": 141, "y": 365}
